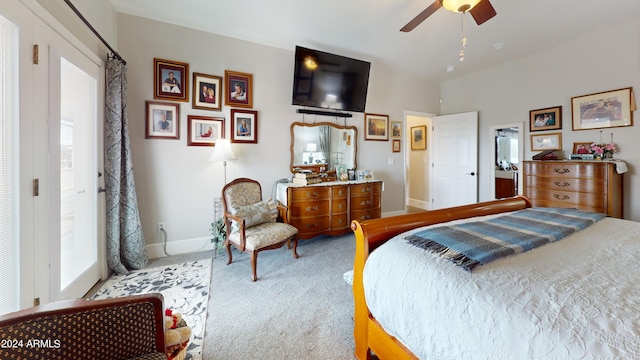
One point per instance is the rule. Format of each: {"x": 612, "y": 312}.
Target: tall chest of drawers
{"x": 585, "y": 185}
{"x": 328, "y": 208}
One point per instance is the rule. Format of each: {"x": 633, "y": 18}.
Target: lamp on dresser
{"x": 223, "y": 152}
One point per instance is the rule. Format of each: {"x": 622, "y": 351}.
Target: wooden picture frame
{"x": 579, "y": 147}
{"x": 549, "y": 141}
{"x": 162, "y": 120}
{"x": 206, "y": 92}
{"x": 239, "y": 91}
{"x": 545, "y": 119}
{"x": 419, "y": 137}
{"x": 603, "y": 110}
{"x": 170, "y": 80}
{"x": 396, "y": 129}
{"x": 376, "y": 127}
{"x": 244, "y": 126}
{"x": 395, "y": 145}
{"x": 204, "y": 130}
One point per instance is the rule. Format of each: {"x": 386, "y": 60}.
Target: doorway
{"x": 507, "y": 151}
{"x": 417, "y": 162}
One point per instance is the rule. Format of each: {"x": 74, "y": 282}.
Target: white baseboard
{"x": 179, "y": 247}
{"x": 421, "y": 204}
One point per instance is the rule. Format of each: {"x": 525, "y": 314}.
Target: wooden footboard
{"x": 369, "y": 234}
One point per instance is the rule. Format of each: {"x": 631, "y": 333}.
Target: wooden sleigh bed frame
{"x": 369, "y": 335}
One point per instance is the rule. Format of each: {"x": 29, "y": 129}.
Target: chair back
{"x": 241, "y": 192}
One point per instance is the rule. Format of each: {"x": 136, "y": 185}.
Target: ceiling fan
{"x": 481, "y": 10}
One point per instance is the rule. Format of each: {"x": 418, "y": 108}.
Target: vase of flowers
{"x": 603, "y": 150}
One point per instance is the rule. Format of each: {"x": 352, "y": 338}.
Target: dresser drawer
{"x": 558, "y": 198}
{"x": 367, "y": 188}
{"x": 309, "y": 208}
{"x": 362, "y": 215}
{"x": 339, "y": 221}
{"x": 364, "y": 202}
{"x": 560, "y": 169}
{"x": 339, "y": 192}
{"x": 309, "y": 193}
{"x": 566, "y": 184}
{"x": 339, "y": 206}
{"x": 311, "y": 225}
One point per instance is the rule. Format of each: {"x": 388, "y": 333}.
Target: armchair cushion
{"x": 255, "y": 214}
{"x": 265, "y": 234}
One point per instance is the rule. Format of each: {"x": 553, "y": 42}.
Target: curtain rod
{"x": 86, "y": 22}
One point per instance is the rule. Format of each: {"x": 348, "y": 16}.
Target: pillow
{"x": 255, "y": 214}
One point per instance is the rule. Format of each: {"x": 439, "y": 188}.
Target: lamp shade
{"x": 459, "y": 5}
{"x": 222, "y": 151}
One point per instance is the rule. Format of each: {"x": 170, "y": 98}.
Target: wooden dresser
{"x": 328, "y": 208}
{"x": 585, "y": 185}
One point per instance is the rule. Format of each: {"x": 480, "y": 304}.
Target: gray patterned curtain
{"x": 325, "y": 144}
{"x": 125, "y": 240}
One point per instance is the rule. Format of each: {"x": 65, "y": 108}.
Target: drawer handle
{"x": 561, "y": 184}
{"x": 365, "y": 190}
{"x": 340, "y": 221}
{"x": 561, "y": 197}
{"x": 365, "y": 217}
{"x": 339, "y": 206}
{"x": 312, "y": 194}
{"x": 365, "y": 202}
{"x": 310, "y": 208}
{"x": 561, "y": 171}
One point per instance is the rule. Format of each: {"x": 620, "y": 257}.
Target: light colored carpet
{"x": 184, "y": 286}
{"x": 298, "y": 309}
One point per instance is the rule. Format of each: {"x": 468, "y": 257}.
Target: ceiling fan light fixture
{"x": 459, "y": 6}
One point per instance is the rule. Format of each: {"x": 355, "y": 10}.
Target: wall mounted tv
{"x": 329, "y": 81}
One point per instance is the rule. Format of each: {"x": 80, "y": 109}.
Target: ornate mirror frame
{"x": 343, "y": 143}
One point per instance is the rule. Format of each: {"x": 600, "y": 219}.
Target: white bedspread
{"x": 578, "y": 298}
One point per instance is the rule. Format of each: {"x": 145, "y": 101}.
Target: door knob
{"x": 471, "y": 173}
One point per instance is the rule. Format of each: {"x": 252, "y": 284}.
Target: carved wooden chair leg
{"x": 254, "y": 265}
{"x": 295, "y": 248}
{"x": 228, "y": 246}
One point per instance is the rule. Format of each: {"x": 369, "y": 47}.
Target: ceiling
{"x": 369, "y": 29}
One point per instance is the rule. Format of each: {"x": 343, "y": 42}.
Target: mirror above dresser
{"x": 322, "y": 146}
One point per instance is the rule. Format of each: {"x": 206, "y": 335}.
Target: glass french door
{"x": 74, "y": 174}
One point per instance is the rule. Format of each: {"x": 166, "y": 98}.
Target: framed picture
{"x": 419, "y": 137}
{"x": 582, "y": 147}
{"x": 545, "y": 119}
{"x": 162, "y": 120}
{"x": 204, "y": 130}
{"x": 341, "y": 172}
{"x": 550, "y": 141}
{"x": 206, "y": 92}
{"x": 602, "y": 110}
{"x": 395, "y": 145}
{"x": 244, "y": 126}
{"x": 396, "y": 129}
{"x": 377, "y": 127}
{"x": 239, "y": 91}
{"x": 170, "y": 80}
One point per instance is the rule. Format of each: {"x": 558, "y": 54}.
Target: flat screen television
{"x": 329, "y": 81}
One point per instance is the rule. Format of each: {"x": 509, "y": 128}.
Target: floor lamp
{"x": 223, "y": 152}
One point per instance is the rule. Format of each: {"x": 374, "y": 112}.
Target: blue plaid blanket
{"x": 479, "y": 242}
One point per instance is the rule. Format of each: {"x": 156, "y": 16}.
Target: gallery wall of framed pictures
{"x": 208, "y": 92}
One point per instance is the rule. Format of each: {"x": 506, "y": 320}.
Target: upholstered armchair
{"x": 251, "y": 222}
{"x": 129, "y": 327}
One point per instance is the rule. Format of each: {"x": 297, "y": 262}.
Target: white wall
{"x": 176, "y": 183}
{"x": 601, "y": 61}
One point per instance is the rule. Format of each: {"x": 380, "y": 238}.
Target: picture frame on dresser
{"x": 545, "y": 119}
{"x": 550, "y": 141}
{"x": 603, "y": 110}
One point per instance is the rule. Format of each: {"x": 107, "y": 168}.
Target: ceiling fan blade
{"x": 482, "y": 12}
{"x": 422, "y": 16}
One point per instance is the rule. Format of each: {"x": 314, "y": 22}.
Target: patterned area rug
{"x": 185, "y": 288}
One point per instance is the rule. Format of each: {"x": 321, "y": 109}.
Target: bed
{"x": 577, "y": 297}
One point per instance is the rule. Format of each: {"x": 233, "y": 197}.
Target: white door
{"x": 73, "y": 89}
{"x": 454, "y": 160}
